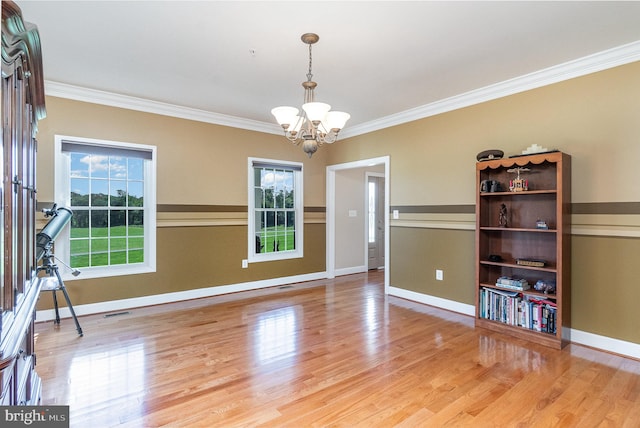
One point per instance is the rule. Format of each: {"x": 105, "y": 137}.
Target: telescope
{"x": 45, "y": 238}
{"x": 44, "y": 241}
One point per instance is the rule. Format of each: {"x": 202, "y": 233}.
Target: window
{"x": 110, "y": 187}
{"x": 275, "y": 210}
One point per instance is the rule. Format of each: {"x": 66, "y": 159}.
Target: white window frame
{"x": 62, "y": 197}
{"x": 252, "y": 257}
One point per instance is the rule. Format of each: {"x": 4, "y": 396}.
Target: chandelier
{"x": 316, "y": 125}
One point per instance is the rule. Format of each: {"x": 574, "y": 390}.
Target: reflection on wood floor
{"x": 322, "y": 353}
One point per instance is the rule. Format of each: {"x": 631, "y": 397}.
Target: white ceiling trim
{"x": 63, "y": 90}
{"x": 600, "y": 61}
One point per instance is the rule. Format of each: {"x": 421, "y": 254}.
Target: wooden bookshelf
{"x": 522, "y": 240}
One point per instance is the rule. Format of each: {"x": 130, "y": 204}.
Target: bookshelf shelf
{"x": 501, "y": 250}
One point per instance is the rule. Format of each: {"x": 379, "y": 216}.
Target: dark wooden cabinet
{"x": 22, "y": 107}
{"x": 523, "y": 246}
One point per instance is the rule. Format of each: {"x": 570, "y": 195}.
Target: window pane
{"x": 118, "y": 219}
{"x": 117, "y": 257}
{"x": 99, "y": 252}
{"x": 79, "y": 192}
{"x": 136, "y": 222}
{"x": 80, "y": 261}
{"x": 136, "y": 250}
{"x": 80, "y": 224}
{"x": 79, "y": 165}
{"x": 99, "y": 223}
{"x": 99, "y": 192}
{"x": 135, "y": 169}
{"x": 99, "y": 245}
{"x": 136, "y": 256}
{"x": 118, "y": 193}
{"x": 279, "y": 197}
{"x": 135, "y": 194}
{"x": 268, "y": 198}
{"x": 117, "y": 167}
{"x": 288, "y": 198}
{"x": 99, "y": 166}
{"x": 136, "y": 243}
{"x": 79, "y": 252}
{"x": 270, "y": 220}
{"x": 257, "y": 177}
{"x": 117, "y": 244}
{"x": 259, "y": 197}
{"x": 79, "y": 246}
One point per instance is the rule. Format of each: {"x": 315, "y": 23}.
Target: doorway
{"x": 337, "y": 240}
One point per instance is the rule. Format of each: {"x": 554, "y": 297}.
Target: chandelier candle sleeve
{"x": 316, "y": 125}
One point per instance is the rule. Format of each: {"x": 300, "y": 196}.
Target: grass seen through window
{"x": 121, "y": 246}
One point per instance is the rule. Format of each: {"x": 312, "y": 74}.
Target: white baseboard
{"x": 609, "y": 344}
{"x": 136, "y": 302}
{"x": 438, "y": 302}
{"x": 350, "y": 270}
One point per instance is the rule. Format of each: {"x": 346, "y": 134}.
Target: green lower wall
{"x": 198, "y": 257}
{"x": 604, "y": 286}
{"x": 416, "y": 253}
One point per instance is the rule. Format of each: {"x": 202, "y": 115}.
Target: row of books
{"x": 514, "y": 308}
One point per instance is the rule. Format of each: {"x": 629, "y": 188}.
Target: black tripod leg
{"x": 55, "y": 305}
{"x": 66, "y": 296}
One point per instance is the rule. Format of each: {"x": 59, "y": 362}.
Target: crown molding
{"x": 600, "y": 61}
{"x": 63, "y": 90}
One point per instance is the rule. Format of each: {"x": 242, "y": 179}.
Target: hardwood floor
{"x": 323, "y": 353}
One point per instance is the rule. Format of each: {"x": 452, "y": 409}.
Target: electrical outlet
{"x": 439, "y": 275}
{"x": 245, "y": 264}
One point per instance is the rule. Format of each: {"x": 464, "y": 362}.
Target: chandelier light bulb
{"x": 335, "y": 120}
{"x": 285, "y": 115}
{"x": 316, "y": 111}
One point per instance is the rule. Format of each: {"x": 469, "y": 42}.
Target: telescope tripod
{"x": 51, "y": 269}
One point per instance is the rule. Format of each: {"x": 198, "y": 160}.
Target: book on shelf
{"x": 531, "y": 262}
{"x": 514, "y": 284}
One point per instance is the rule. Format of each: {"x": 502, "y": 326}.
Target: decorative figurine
{"x": 502, "y": 217}
{"x": 518, "y": 184}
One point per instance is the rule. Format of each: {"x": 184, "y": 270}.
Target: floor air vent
{"x": 115, "y": 314}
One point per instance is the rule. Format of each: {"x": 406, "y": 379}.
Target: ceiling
{"x": 373, "y": 60}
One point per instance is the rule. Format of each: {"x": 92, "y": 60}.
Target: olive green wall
{"x": 418, "y": 252}
{"x": 201, "y": 198}
{"x": 594, "y": 118}
{"x": 605, "y": 291}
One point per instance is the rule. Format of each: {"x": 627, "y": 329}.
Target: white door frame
{"x": 331, "y": 213}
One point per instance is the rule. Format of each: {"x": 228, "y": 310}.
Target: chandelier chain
{"x": 309, "y": 75}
